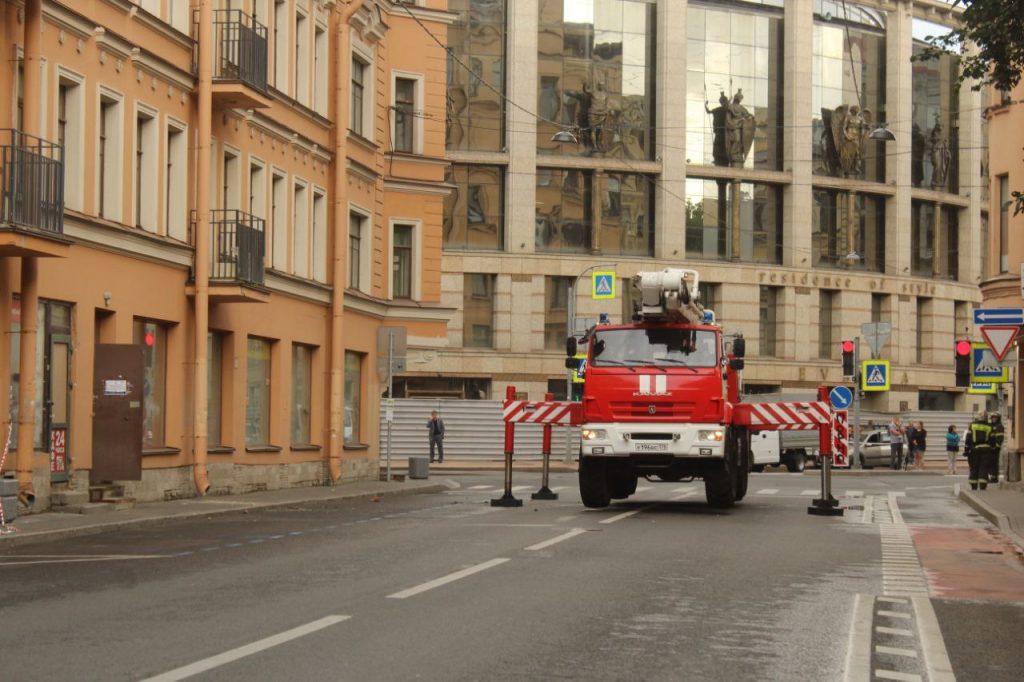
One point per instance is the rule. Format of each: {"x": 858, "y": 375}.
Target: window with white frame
{"x": 70, "y": 115}
{"x": 300, "y": 230}
{"x": 357, "y": 244}
{"x": 279, "y": 221}
{"x": 257, "y": 189}
{"x": 178, "y": 14}
{"x": 282, "y": 55}
{"x": 109, "y": 164}
{"x": 301, "y": 58}
{"x": 175, "y": 178}
{"x": 402, "y": 260}
{"x": 319, "y": 235}
{"x": 302, "y": 394}
{"x": 405, "y": 124}
{"x": 145, "y": 160}
{"x": 230, "y": 196}
{"x": 320, "y": 70}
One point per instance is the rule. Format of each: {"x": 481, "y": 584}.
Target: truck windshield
{"x": 658, "y": 346}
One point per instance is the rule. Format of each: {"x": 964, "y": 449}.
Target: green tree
{"x": 995, "y": 29}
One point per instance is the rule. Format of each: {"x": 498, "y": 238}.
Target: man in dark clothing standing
{"x": 435, "y": 428}
{"x": 979, "y": 451}
{"x": 998, "y": 434}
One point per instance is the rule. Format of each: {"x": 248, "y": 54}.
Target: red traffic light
{"x": 963, "y": 347}
{"x": 847, "y": 346}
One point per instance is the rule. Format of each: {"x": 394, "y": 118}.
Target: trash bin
{"x": 419, "y": 467}
{"x": 8, "y": 487}
{"x": 10, "y": 505}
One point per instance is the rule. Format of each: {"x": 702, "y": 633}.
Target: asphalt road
{"x": 446, "y": 587}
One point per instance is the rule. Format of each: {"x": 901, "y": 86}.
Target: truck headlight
{"x": 593, "y": 434}
{"x": 715, "y": 435}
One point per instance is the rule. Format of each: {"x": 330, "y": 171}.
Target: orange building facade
{"x": 207, "y": 214}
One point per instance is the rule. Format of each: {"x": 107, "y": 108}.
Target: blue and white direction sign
{"x": 840, "y": 397}
{"x": 999, "y": 316}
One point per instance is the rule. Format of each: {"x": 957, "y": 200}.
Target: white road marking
{"x": 555, "y": 540}
{"x": 556, "y": 488}
{"x": 854, "y": 493}
{"x": 768, "y": 491}
{"x": 893, "y": 675}
{"x": 623, "y": 515}
{"x": 480, "y": 487}
{"x": 684, "y": 489}
{"x": 444, "y": 580}
{"x": 643, "y": 488}
{"x": 246, "y": 650}
{"x": 858, "y": 650}
{"x": 78, "y": 559}
{"x": 894, "y": 651}
{"x": 894, "y": 614}
{"x": 894, "y": 631}
{"x": 892, "y": 600}
{"x": 813, "y": 491}
{"x": 521, "y": 488}
{"x": 936, "y": 659}
{"x": 685, "y": 495}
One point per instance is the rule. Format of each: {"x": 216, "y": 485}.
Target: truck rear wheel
{"x": 795, "y": 461}
{"x": 720, "y": 485}
{"x": 594, "y": 483}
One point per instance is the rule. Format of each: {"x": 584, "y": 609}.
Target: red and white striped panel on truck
{"x": 788, "y": 416}
{"x": 544, "y": 412}
{"x": 840, "y": 438}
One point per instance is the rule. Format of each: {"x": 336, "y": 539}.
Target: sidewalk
{"x": 1002, "y": 505}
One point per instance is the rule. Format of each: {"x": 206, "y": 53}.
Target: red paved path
{"x": 970, "y": 563}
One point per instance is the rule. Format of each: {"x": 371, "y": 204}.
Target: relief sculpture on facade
{"x": 847, "y": 129}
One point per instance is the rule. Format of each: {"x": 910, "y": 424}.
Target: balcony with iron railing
{"x": 240, "y": 59}
{"x": 237, "y": 252}
{"x": 31, "y": 196}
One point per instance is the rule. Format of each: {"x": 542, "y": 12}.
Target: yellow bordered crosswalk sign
{"x": 603, "y": 285}
{"x": 978, "y": 388}
{"x": 874, "y": 375}
{"x": 985, "y": 367}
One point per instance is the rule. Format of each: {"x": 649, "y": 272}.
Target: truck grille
{"x": 640, "y": 410}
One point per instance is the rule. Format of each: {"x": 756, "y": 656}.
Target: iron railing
{"x": 31, "y": 182}
{"x": 237, "y": 246}
{"x": 239, "y": 48}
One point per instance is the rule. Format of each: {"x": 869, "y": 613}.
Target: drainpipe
{"x": 29, "y": 270}
{"x": 339, "y": 274}
{"x": 204, "y": 105}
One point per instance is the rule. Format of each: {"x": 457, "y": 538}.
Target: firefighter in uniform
{"x": 998, "y": 433}
{"x": 978, "y": 451}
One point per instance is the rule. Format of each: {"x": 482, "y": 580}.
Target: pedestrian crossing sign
{"x": 985, "y": 367}
{"x": 874, "y": 375}
{"x": 603, "y": 285}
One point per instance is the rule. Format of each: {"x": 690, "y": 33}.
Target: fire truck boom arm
{"x": 669, "y": 296}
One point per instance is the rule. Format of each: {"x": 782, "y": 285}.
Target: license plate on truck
{"x": 650, "y": 447}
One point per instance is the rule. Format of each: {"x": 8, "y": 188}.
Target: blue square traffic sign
{"x": 874, "y": 375}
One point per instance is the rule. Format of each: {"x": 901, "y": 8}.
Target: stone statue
{"x": 598, "y": 116}
{"x": 584, "y": 100}
{"x": 850, "y": 127}
{"x": 739, "y": 126}
{"x": 917, "y": 147}
{"x": 940, "y": 156}
{"x": 720, "y": 150}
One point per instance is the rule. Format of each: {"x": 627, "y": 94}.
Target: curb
{"x": 994, "y": 516}
{"x": 18, "y": 539}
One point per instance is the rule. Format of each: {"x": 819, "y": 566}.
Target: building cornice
{"x": 418, "y": 187}
{"x": 113, "y": 238}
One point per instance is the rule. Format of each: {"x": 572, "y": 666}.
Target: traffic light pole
{"x": 856, "y": 463}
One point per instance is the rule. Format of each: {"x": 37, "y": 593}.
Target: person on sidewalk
{"x": 920, "y": 445}
{"x": 979, "y": 449}
{"x": 908, "y": 436}
{"x": 952, "y": 449}
{"x": 895, "y": 443}
{"x": 998, "y": 435}
{"x": 435, "y": 430}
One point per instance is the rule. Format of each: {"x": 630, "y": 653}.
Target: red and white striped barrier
{"x": 840, "y": 438}
{"x": 543, "y": 412}
{"x": 789, "y": 416}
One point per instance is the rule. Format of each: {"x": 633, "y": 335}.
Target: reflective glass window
{"x": 935, "y": 128}
{"x": 710, "y": 221}
{"x": 474, "y": 209}
{"x": 734, "y": 94}
{"x": 842, "y": 240}
{"x": 478, "y": 310}
{"x": 848, "y": 99}
{"x": 596, "y": 77}
{"x": 476, "y": 75}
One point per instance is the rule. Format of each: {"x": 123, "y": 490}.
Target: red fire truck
{"x": 661, "y": 399}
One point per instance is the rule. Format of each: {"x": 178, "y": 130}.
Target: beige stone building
{"x": 733, "y": 138}
{"x": 207, "y": 212}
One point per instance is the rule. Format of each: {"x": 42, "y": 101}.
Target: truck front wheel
{"x": 594, "y": 483}
{"x": 720, "y": 485}
{"x": 621, "y": 484}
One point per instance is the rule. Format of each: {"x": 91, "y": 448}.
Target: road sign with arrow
{"x": 999, "y": 316}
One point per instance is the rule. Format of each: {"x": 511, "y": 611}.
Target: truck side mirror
{"x": 571, "y": 363}
{"x": 570, "y": 346}
{"x": 736, "y": 364}
{"x": 739, "y": 347}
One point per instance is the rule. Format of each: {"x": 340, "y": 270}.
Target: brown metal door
{"x": 117, "y": 413}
